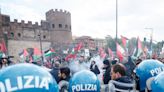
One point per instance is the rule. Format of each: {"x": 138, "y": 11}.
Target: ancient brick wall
{"x": 15, "y": 47}
{"x": 60, "y": 25}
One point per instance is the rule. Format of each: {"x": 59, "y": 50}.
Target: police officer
{"x": 84, "y": 81}
{"x": 26, "y": 78}
{"x": 147, "y": 69}
{"x": 157, "y": 83}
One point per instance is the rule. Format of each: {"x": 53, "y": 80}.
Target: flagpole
{"x": 116, "y": 25}
{"x": 116, "y": 20}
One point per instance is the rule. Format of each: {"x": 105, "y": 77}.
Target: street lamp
{"x": 151, "y": 37}
{"x": 40, "y": 40}
{"x": 116, "y": 20}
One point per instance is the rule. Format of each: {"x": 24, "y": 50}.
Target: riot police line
{"x": 32, "y": 78}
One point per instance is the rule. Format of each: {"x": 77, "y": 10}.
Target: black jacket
{"x": 124, "y": 79}
{"x": 54, "y": 72}
{"x": 106, "y": 75}
{"x": 94, "y": 68}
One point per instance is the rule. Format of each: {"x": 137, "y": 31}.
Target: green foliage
{"x": 156, "y": 47}
{"x": 111, "y": 43}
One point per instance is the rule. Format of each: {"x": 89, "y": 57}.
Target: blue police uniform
{"x": 84, "y": 81}
{"x": 26, "y": 78}
{"x": 157, "y": 83}
{"x": 147, "y": 69}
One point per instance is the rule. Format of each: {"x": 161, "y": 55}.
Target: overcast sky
{"x": 96, "y": 18}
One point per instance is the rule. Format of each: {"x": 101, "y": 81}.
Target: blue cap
{"x": 147, "y": 69}
{"x": 157, "y": 83}
{"x": 26, "y": 78}
{"x": 84, "y": 81}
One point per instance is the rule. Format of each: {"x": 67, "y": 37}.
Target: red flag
{"x": 69, "y": 56}
{"x": 124, "y": 41}
{"x": 120, "y": 51}
{"x": 102, "y": 53}
{"x": 25, "y": 53}
{"x": 78, "y": 47}
{"x": 110, "y": 53}
{"x": 37, "y": 51}
{"x": 3, "y": 46}
{"x": 52, "y": 50}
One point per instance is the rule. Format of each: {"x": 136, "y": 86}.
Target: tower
{"x": 60, "y": 26}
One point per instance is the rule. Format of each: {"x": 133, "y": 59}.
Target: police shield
{"x": 26, "y": 78}
{"x": 147, "y": 69}
{"x": 84, "y": 81}
{"x": 157, "y": 83}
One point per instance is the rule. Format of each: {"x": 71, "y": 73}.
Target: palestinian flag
{"x": 120, "y": 52}
{"x": 124, "y": 41}
{"x": 24, "y": 53}
{"x": 139, "y": 49}
{"x": 110, "y": 53}
{"x": 50, "y": 53}
{"x": 72, "y": 55}
{"x": 102, "y": 53}
{"x": 36, "y": 54}
{"x": 52, "y": 50}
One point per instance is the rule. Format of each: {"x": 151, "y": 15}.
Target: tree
{"x": 111, "y": 43}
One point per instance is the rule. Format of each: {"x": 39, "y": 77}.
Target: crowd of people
{"x": 130, "y": 76}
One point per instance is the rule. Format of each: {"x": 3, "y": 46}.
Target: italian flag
{"x": 120, "y": 52}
